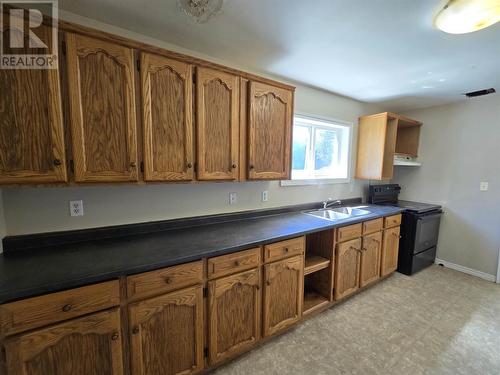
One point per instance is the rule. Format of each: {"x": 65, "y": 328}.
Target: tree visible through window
{"x": 320, "y": 149}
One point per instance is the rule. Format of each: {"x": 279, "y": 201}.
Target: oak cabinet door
{"x": 347, "y": 264}
{"x": 167, "y": 104}
{"x": 86, "y": 346}
{"x": 390, "y": 251}
{"x": 103, "y": 118}
{"x": 234, "y": 314}
{"x": 370, "y": 259}
{"x": 167, "y": 333}
{"x": 269, "y": 132}
{"x": 31, "y": 126}
{"x": 283, "y": 294}
{"x": 218, "y": 124}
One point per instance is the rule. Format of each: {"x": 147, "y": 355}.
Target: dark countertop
{"x": 39, "y": 271}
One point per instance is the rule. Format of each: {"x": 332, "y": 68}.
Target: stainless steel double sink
{"x": 339, "y": 212}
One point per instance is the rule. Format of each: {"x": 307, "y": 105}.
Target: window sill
{"x": 320, "y": 181}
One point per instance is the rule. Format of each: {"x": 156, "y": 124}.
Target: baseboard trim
{"x": 470, "y": 271}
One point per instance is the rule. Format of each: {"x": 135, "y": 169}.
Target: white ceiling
{"x": 383, "y": 51}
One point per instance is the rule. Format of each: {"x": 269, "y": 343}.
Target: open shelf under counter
{"x": 315, "y": 263}
{"x": 313, "y": 300}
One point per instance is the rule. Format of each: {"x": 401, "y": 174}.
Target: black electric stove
{"x": 419, "y": 228}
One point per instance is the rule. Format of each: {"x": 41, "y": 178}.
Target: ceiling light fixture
{"x": 467, "y": 16}
{"x": 200, "y": 11}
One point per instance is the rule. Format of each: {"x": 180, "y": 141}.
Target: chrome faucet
{"x": 329, "y": 202}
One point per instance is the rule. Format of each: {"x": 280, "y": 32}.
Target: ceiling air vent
{"x": 473, "y": 94}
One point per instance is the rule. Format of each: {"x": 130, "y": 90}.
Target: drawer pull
{"x": 257, "y": 287}
{"x": 236, "y": 263}
{"x": 67, "y": 308}
{"x": 115, "y": 336}
{"x": 286, "y": 249}
{"x": 190, "y": 165}
{"x": 168, "y": 280}
{"x": 268, "y": 282}
{"x": 135, "y": 330}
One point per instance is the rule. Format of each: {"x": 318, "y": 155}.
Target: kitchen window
{"x": 320, "y": 151}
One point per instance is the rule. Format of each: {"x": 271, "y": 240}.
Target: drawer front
{"x": 232, "y": 263}
{"x": 164, "y": 280}
{"x": 284, "y": 249}
{"x": 55, "y": 307}
{"x": 373, "y": 226}
{"x": 348, "y": 233}
{"x": 392, "y": 221}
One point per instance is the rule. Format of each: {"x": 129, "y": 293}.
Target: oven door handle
{"x": 430, "y": 216}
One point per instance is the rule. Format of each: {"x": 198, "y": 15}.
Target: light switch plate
{"x": 233, "y": 198}
{"x": 76, "y": 208}
{"x": 483, "y": 186}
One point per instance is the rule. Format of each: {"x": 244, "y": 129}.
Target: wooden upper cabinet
{"x": 167, "y": 105}
{"x": 380, "y": 137}
{"x": 218, "y": 124}
{"x": 103, "y": 116}
{"x": 91, "y": 345}
{"x": 31, "y": 125}
{"x": 390, "y": 251}
{"x": 283, "y": 294}
{"x": 234, "y": 314}
{"x": 167, "y": 333}
{"x": 347, "y": 266}
{"x": 269, "y": 131}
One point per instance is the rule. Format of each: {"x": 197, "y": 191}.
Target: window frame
{"x": 324, "y": 181}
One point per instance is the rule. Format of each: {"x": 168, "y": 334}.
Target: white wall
{"x": 460, "y": 147}
{"x": 32, "y": 210}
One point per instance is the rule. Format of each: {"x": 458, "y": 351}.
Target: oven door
{"x": 427, "y": 230}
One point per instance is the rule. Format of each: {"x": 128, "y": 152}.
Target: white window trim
{"x": 326, "y": 181}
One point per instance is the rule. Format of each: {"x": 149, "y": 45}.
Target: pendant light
{"x": 467, "y": 16}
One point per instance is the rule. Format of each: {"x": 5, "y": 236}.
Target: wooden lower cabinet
{"x": 234, "y": 314}
{"x": 91, "y": 345}
{"x": 347, "y": 266}
{"x": 390, "y": 251}
{"x": 370, "y": 259}
{"x": 283, "y": 294}
{"x": 167, "y": 333}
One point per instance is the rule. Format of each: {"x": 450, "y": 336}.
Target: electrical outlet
{"x": 76, "y": 208}
{"x": 265, "y": 196}
{"x": 483, "y": 186}
{"x": 233, "y": 198}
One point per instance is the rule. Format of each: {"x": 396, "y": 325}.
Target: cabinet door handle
{"x": 268, "y": 282}
{"x": 133, "y": 164}
{"x": 67, "y": 308}
{"x": 251, "y": 166}
{"x": 57, "y": 162}
{"x": 233, "y": 166}
{"x": 115, "y": 336}
{"x": 190, "y": 165}
{"x": 135, "y": 330}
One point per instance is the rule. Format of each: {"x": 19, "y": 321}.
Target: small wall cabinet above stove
{"x": 381, "y": 137}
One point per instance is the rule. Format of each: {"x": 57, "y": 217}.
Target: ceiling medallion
{"x": 200, "y": 11}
